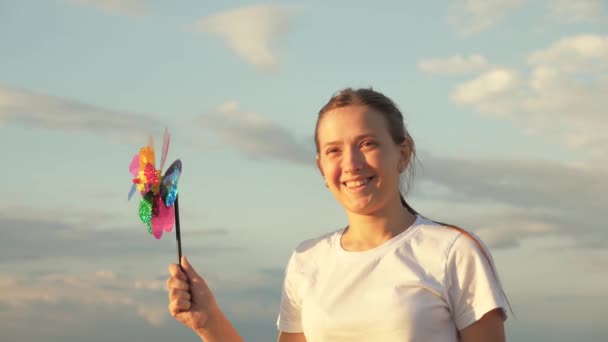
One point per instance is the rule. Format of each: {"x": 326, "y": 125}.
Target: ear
{"x": 405, "y": 153}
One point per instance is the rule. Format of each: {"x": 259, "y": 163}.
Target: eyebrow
{"x": 359, "y": 137}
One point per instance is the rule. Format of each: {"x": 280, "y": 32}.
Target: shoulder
{"x": 312, "y": 250}
{"x": 468, "y": 246}
{"x": 446, "y": 248}
{"x": 318, "y": 244}
{"x": 437, "y": 238}
{"x": 451, "y": 237}
{"x": 472, "y": 283}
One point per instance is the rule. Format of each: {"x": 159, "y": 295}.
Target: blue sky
{"x": 505, "y": 101}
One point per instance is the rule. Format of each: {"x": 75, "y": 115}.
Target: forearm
{"x": 219, "y": 329}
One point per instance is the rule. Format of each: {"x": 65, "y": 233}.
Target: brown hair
{"x": 391, "y": 113}
{"x": 396, "y": 127}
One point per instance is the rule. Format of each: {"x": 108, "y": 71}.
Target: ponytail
{"x": 407, "y": 206}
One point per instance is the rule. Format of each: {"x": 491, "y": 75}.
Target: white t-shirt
{"x": 422, "y": 285}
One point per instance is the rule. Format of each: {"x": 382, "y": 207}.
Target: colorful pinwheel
{"x": 158, "y": 209}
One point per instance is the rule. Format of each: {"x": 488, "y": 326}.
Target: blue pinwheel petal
{"x": 132, "y": 191}
{"x": 168, "y": 189}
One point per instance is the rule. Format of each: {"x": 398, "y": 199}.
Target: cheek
{"x": 334, "y": 173}
{"x": 381, "y": 162}
{"x": 331, "y": 170}
{"x": 388, "y": 166}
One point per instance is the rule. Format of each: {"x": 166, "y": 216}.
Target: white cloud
{"x": 475, "y": 16}
{"x": 57, "y": 233}
{"x": 522, "y": 198}
{"x": 128, "y": 7}
{"x": 585, "y": 52}
{"x": 252, "y": 32}
{"x": 534, "y": 197}
{"x": 104, "y": 305}
{"x": 572, "y": 11}
{"x": 490, "y": 85}
{"x": 456, "y": 64}
{"x": 255, "y": 135}
{"x": 23, "y": 107}
{"x": 23, "y": 293}
{"x": 509, "y": 227}
{"x": 563, "y": 95}
{"x": 526, "y": 206}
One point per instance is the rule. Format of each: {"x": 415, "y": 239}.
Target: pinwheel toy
{"x": 159, "y": 207}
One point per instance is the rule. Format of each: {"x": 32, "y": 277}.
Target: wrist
{"x": 218, "y": 328}
{"x": 214, "y": 315}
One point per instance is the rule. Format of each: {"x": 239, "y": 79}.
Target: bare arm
{"x": 291, "y": 337}
{"x": 489, "y": 328}
{"x": 192, "y": 303}
{"x": 218, "y": 329}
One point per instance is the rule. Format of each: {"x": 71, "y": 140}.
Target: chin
{"x": 361, "y": 206}
{"x": 367, "y": 205}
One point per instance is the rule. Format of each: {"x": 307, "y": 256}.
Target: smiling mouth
{"x": 358, "y": 183}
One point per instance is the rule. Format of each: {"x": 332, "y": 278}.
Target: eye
{"x": 368, "y": 143}
{"x": 331, "y": 150}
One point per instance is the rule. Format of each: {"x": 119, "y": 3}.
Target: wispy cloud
{"x": 569, "y": 11}
{"x": 470, "y": 17}
{"x": 20, "y": 294}
{"x": 456, "y": 65}
{"x": 580, "y": 53}
{"x": 557, "y": 205}
{"x": 253, "y": 32}
{"x": 550, "y": 207}
{"x": 110, "y": 299}
{"x": 126, "y": 7}
{"x": 475, "y": 16}
{"x": 563, "y": 95}
{"x": 487, "y": 87}
{"x": 35, "y": 109}
{"x": 254, "y": 135}
{"x": 64, "y": 233}
{"x": 61, "y": 262}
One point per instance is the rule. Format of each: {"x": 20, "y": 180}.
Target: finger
{"x": 174, "y": 283}
{"x": 178, "y": 306}
{"x": 175, "y": 294}
{"x": 176, "y": 271}
{"x": 189, "y": 270}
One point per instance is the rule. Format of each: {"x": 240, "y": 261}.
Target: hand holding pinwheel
{"x": 159, "y": 207}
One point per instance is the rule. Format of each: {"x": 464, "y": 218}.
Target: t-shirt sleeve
{"x": 473, "y": 288}
{"x": 289, "y": 319}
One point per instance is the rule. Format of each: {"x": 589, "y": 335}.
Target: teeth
{"x": 355, "y": 184}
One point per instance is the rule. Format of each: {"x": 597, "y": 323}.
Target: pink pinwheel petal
{"x": 134, "y": 166}
{"x": 169, "y": 218}
{"x": 155, "y": 223}
{"x": 163, "y": 220}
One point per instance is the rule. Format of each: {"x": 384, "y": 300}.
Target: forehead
{"x": 351, "y": 121}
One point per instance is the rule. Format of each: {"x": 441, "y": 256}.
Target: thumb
{"x": 189, "y": 270}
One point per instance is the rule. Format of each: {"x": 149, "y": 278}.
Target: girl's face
{"x": 359, "y": 159}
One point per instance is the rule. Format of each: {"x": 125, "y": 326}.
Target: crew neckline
{"x": 405, "y": 234}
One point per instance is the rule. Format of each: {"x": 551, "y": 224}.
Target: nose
{"x": 353, "y": 160}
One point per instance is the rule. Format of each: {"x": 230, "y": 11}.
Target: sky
{"x": 506, "y": 102}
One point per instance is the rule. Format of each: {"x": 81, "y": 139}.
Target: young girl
{"x": 390, "y": 274}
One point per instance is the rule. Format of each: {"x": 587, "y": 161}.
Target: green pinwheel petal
{"x": 145, "y": 210}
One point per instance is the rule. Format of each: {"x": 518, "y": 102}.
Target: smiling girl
{"x": 391, "y": 274}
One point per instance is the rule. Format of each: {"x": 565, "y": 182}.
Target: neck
{"x": 369, "y": 230}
